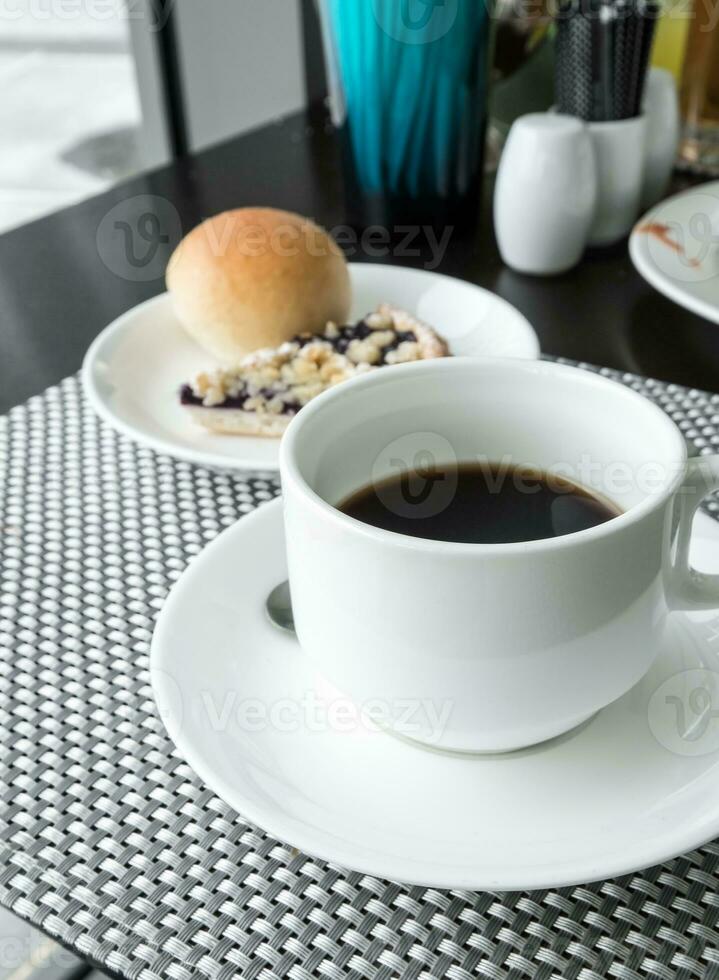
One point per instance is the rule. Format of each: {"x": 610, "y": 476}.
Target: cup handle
{"x": 690, "y": 588}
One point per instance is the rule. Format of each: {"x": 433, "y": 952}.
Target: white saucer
{"x": 248, "y": 713}
{"x": 689, "y": 276}
{"x": 133, "y": 370}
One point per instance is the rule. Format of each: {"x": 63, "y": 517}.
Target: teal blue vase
{"x": 408, "y": 88}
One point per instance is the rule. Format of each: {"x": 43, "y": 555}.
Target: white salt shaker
{"x": 545, "y": 193}
{"x": 661, "y": 108}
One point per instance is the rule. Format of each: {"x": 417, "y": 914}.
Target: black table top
{"x": 65, "y": 277}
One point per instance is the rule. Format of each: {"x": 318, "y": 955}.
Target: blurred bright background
{"x": 70, "y": 113}
{"x": 96, "y": 90}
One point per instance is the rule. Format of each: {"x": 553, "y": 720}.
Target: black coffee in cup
{"x": 478, "y": 503}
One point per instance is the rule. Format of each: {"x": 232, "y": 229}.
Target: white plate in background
{"x": 675, "y": 247}
{"x": 134, "y": 368}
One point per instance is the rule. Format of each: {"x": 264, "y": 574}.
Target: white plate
{"x": 248, "y": 713}
{"x": 687, "y": 271}
{"x": 133, "y": 370}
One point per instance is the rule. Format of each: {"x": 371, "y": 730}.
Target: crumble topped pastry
{"x": 268, "y": 387}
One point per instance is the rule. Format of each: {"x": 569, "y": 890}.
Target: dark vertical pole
{"x": 164, "y": 13}
{"x": 315, "y": 80}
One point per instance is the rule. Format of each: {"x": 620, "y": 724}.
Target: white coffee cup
{"x": 489, "y": 647}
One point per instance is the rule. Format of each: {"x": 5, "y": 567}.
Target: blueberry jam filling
{"x": 188, "y": 397}
{"x": 355, "y": 331}
{"x": 340, "y": 343}
{"x": 360, "y": 331}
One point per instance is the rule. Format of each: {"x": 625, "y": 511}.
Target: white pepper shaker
{"x": 545, "y": 193}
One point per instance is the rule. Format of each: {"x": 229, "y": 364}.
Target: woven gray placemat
{"x": 112, "y": 845}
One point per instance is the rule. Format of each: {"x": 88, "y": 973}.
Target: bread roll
{"x": 255, "y": 277}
